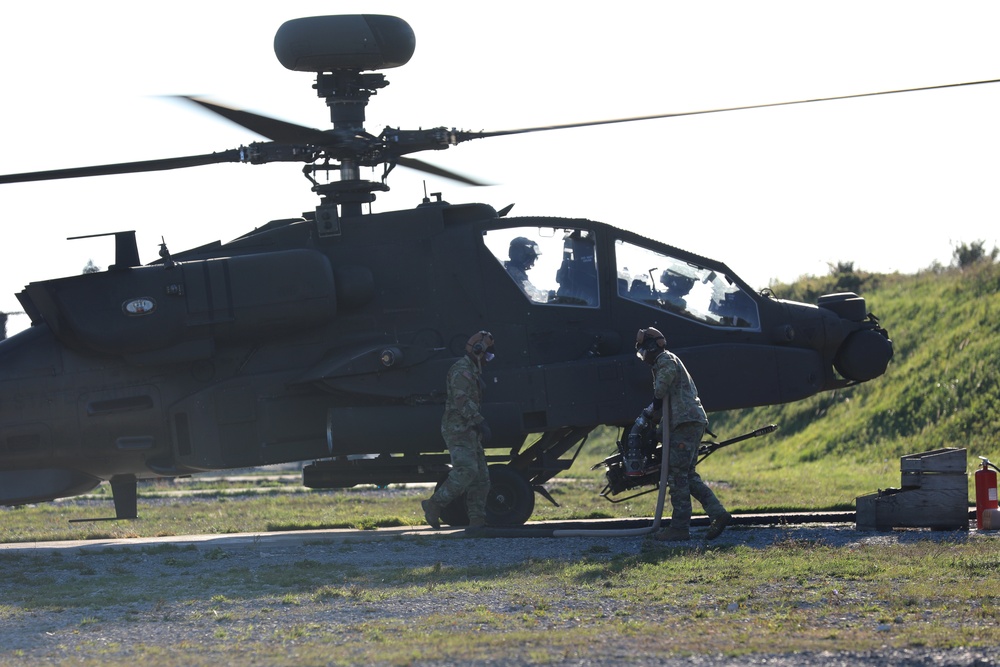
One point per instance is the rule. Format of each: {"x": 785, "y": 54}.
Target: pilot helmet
{"x": 480, "y": 345}
{"x": 523, "y": 252}
{"x": 649, "y": 343}
{"x": 676, "y": 283}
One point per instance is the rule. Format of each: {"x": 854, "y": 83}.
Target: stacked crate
{"x": 934, "y": 494}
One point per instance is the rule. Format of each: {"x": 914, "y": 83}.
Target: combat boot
{"x": 432, "y": 513}
{"x": 475, "y": 526}
{"x": 718, "y": 525}
{"x": 673, "y": 535}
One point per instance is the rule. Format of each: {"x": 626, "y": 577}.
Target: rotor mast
{"x": 347, "y": 93}
{"x": 340, "y": 50}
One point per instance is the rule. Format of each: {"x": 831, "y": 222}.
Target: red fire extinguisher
{"x": 986, "y": 491}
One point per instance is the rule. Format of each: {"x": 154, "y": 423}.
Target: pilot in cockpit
{"x": 678, "y": 287}
{"x": 523, "y": 253}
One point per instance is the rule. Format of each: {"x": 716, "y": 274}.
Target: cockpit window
{"x": 682, "y": 287}
{"x": 553, "y": 266}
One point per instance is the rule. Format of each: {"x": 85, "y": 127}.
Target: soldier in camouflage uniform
{"x": 465, "y": 432}
{"x": 686, "y": 422}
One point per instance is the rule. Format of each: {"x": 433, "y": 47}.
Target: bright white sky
{"x": 889, "y": 183}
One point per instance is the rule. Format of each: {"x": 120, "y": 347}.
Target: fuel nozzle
{"x": 634, "y": 456}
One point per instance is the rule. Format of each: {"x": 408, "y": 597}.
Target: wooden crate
{"x": 934, "y": 494}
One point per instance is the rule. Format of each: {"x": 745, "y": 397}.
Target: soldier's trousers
{"x": 469, "y": 475}
{"x": 684, "y": 480}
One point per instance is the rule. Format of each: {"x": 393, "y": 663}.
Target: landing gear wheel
{"x": 510, "y": 502}
{"x": 511, "y": 499}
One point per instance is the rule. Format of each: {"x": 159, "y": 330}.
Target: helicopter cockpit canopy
{"x": 555, "y": 266}
{"x": 683, "y": 287}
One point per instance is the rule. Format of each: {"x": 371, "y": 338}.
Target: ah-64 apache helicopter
{"x": 327, "y": 337}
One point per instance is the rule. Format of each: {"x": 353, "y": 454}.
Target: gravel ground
{"x": 174, "y": 623}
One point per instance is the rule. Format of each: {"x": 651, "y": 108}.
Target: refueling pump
{"x": 641, "y": 453}
{"x": 986, "y": 495}
{"x": 640, "y": 445}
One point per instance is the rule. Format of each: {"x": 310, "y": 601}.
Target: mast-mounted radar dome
{"x": 352, "y": 42}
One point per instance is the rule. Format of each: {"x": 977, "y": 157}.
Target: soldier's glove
{"x": 652, "y": 415}
{"x": 485, "y": 434}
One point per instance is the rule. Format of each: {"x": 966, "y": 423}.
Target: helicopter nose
{"x": 864, "y": 355}
{"x": 866, "y": 351}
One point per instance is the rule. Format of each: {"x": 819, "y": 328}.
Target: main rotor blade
{"x": 234, "y": 155}
{"x": 461, "y": 136}
{"x": 420, "y": 165}
{"x": 272, "y": 128}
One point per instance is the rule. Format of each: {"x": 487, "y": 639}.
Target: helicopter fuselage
{"x": 305, "y": 342}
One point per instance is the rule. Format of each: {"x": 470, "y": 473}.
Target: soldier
{"x": 465, "y": 432}
{"x": 686, "y": 422}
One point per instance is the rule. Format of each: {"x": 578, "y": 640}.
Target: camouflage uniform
{"x": 687, "y": 422}
{"x": 520, "y": 277}
{"x": 460, "y": 428}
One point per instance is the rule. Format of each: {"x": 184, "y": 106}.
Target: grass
{"x": 665, "y": 602}
{"x": 661, "y": 602}
{"x": 791, "y": 596}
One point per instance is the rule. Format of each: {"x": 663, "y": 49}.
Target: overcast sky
{"x": 890, "y": 183}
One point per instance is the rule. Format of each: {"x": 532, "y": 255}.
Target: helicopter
{"x": 325, "y": 337}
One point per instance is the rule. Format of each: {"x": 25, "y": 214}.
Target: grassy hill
{"x": 942, "y": 389}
